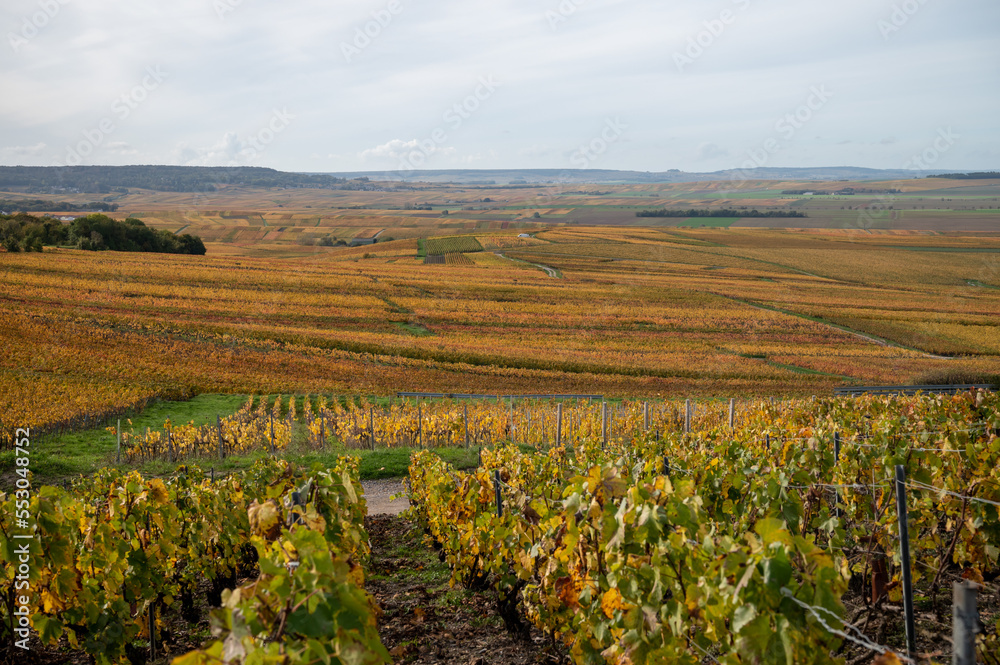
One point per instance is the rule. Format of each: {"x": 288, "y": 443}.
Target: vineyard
{"x": 636, "y": 532}
{"x": 768, "y": 541}
{"x": 114, "y": 555}
{"x": 637, "y": 312}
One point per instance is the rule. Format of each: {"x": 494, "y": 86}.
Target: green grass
{"x": 57, "y": 459}
{"x": 414, "y": 329}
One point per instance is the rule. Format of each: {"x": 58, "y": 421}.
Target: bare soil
{"x": 424, "y": 620}
{"x": 379, "y": 496}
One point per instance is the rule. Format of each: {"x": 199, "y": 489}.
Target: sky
{"x": 318, "y": 86}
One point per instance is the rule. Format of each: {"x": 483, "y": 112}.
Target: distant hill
{"x": 540, "y": 177}
{"x": 111, "y": 179}
{"x": 118, "y": 179}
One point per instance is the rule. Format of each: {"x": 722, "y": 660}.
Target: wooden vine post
{"x": 496, "y": 484}
{"x": 965, "y": 623}
{"x": 371, "y": 426}
{"x": 558, "y": 424}
{"x": 420, "y": 426}
{"x": 604, "y": 424}
{"x": 218, "y": 428}
{"x": 271, "y": 417}
{"x": 904, "y": 550}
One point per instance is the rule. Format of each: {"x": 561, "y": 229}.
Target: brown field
{"x": 622, "y": 311}
{"x": 626, "y": 309}
{"x": 258, "y": 220}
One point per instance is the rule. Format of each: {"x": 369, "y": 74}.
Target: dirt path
{"x": 379, "y": 493}
{"x": 551, "y": 272}
{"x": 424, "y": 620}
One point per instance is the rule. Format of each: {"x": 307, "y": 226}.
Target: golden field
{"x": 631, "y": 311}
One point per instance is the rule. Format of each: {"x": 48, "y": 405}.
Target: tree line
{"x": 718, "y": 212}
{"x": 24, "y": 232}
{"x": 41, "y": 205}
{"x": 979, "y": 175}
{"x": 106, "y": 179}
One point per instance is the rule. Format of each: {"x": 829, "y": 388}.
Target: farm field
{"x": 237, "y": 220}
{"x": 442, "y": 294}
{"x": 611, "y": 311}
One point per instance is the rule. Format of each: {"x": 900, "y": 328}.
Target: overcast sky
{"x": 311, "y": 85}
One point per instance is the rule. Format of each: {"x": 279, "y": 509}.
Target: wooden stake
{"x": 604, "y": 424}
{"x": 496, "y": 484}
{"x": 170, "y": 444}
{"x": 272, "y": 431}
{"x": 904, "y": 549}
{"x": 558, "y": 424}
{"x": 218, "y": 427}
{"x": 965, "y": 623}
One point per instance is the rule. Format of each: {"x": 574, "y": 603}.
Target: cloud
{"x": 121, "y": 148}
{"x": 25, "y": 150}
{"x": 230, "y": 150}
{"x": 888, "y": 140}
{"x": 398, "y": 149}
{"x": 394, "y": 149}
{"x": 608, "y": 58}
{"x": 708, "y": 151}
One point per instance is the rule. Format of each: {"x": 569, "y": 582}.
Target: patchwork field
{"x": 289, "y": 221}
{"x": 336, "y": 300}
{"x": 618, "y": 311}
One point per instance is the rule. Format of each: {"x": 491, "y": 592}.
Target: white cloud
{"x": 25, "y": 150}
{"x": 608, "y": 58}
{"x": 230, "y": 150}
{"x": 707, "y": 151}
{"x": 396, "y": 150}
